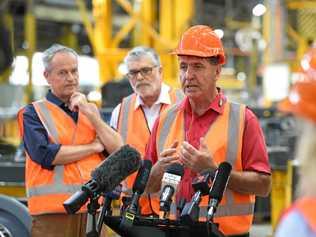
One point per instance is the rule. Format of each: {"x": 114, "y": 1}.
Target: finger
{"x": 174, "y": 144}
{"x": 168, "y": 152}
{"x": 185, "y": 153}
{"x": 189, "y": 148}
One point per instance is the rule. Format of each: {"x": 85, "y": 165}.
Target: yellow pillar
{"x": 147, "y": 13}
{"x": 30, "y": 39}
{"x": 175, "y": 17}
{"x": 102, "y": 37}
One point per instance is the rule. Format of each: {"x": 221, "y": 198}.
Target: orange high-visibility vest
{"x": 307, "y": 207}
{"x": 134, "y": 130}
{"x": 48, "y": 189}
{"x": 224, "y": 140}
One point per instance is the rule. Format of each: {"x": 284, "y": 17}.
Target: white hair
{"x": 49, "y": 53}
{"x": 141, "y": 51}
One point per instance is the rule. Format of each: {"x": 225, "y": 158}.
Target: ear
{"x": 218, "y": 71}
{"x": 160, "y": 70}
{"x": 45, "y": 73}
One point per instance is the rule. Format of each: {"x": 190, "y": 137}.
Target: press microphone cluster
{"x": 218, "y": 188}
{"x": 201, "y": 186}
{"x": 138, "y": 189}
{"x": 113, "y": 170}
{"x": 170, "y": 181}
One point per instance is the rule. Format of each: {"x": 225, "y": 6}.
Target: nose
{"x": 139, "y": 76}
{"x": 71, "y": 76}
{"x": 188, "y": 74}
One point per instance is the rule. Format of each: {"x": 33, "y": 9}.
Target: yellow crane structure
{"x": 156, "y": 24}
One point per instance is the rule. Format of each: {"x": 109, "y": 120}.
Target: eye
{"x": 198, "y": 66}
{"x": 62, "y": 73}
{"x": 146, "y": 70}
{"x": 183, "y": 67}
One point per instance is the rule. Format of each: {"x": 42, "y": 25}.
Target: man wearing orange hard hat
{"x": 300, "y": 218}
{"x": 206, "y": 129}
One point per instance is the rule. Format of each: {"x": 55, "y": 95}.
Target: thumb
{"x": 174, "y": 144}
{"x": 203, "y": 145}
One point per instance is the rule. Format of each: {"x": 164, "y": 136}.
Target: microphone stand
{"x": 105, "y": 211}
{"x": 93, "y": 206}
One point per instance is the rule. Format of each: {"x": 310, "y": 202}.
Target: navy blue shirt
{"x": 36, "y": 141}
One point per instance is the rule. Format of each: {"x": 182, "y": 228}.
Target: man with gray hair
{"x": 64, "y": 137}
{"x": 135, "y": 115}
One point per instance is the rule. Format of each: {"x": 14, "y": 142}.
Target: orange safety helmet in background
{"x": 201, "y": 41}
{"x": 302, "y": 98}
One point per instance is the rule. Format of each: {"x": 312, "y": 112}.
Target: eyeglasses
{"x": 145, "y": 72}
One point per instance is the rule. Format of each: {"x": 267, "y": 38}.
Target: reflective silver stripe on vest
{"x": 232, "y": 144}
{"x": 179, "y": 96}
{"x": 171, "y": 114}
{"x": 240, "y": 209}
{"x": 47, "y": 120}
{"x": 125, "y": 107}
{"x": 233, "y": 131}
{"x": 58, "y": 186}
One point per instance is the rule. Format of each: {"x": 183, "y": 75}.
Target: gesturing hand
{"x": 196, "y": 159}
{"x": 168, "y": 156}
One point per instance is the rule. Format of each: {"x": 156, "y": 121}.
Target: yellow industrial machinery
{"x": 143, "y": 24}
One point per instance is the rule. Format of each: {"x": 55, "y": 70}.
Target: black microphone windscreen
{"x": 220, "y": 181}
{"x": 142, "y": 176}
{"x": 176, "y": 169}
{"x": 116, "y": 168}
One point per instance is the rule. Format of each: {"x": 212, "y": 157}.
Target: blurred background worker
{"x": 207, "y": 129}
{"x": 135, "y": 116}
{"x": 300, "y": 218}
{"x": 60, "y": 140}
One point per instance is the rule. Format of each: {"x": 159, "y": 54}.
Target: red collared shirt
{"x": 254, "y": 153}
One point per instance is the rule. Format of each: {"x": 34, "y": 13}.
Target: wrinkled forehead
{"x": 191, "y": 59}
{"x": 140, "y": 62}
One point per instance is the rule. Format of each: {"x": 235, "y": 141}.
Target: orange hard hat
{"x": 201, "y": 41}
{"x": 301, "y": 100}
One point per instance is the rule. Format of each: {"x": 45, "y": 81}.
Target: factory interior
{"x": 265, "y": 42}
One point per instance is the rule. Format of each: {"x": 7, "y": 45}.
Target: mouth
{"x": 191, "y": 86}
{"x": 142, "y": 85}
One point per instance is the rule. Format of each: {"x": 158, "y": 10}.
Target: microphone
{"x": 105, "y": 177}
{"x": 218, "y": 188}
{"x": 170, "y": 181}
{"x": 191, "y": 210}
{"x": 138, "y": 188}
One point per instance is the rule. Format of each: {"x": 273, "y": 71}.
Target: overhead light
{"x": 259, "y": 10}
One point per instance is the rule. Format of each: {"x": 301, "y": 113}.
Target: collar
{"x": 164, "y": 97}
{"x": 54, "y": 99}
{"x": 216, "y": 105}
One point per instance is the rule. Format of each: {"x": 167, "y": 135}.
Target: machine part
{"x": 14, "y": 218}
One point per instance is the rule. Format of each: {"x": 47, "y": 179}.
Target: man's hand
{"x": 196, "y": 159}
{"x": 167, "y": 157}
{"x": 97, "y": 145}
{"x": 78, "y": 101}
